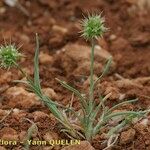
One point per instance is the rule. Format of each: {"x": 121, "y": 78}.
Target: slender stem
{"x": 20, "y": 69}
{"x": 88, "y": 130}
{"x": 91, "y": 75}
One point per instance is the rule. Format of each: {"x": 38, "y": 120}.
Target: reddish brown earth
{"x": 63, "y": 54}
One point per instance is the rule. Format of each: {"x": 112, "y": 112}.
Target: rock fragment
{"x": 45, "y": 58}
{"x": 75, "y": 58}
{"x": 127, "y": 136}
{"x": 8, "y": 134}
{"x": 19, "y": 97}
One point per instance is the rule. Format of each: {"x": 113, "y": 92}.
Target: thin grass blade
{"x": 120, "y": 104}
{"x": 36, "y": 65}
{"x": 76, "y": 92}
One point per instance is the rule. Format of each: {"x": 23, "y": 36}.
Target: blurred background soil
{"x": 66, "y": 55}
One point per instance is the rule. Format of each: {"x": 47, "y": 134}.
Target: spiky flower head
{"x": 8, "y": 56}
{"x": 93, "y": 27}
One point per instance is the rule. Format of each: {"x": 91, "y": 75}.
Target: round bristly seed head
{"x": 8, "y": 56}
{"x": 93, "y": 27}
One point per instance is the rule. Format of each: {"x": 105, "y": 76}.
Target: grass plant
{"x": 94, "y": 117}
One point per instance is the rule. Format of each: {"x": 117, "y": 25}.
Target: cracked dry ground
{"x": 65, "y": 55}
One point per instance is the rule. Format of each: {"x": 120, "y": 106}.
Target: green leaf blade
{"x": 36, "y": 65}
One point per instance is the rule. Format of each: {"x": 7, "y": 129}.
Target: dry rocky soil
{"x": 65, "y": 55}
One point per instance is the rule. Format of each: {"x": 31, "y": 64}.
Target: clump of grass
{"x": 94, "y": 117}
